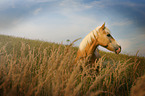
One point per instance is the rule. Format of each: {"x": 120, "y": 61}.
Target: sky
{"x": 60, "y": 20}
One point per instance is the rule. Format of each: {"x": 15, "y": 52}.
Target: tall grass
{"x": 139, "y": 88}
{"x": 51, "y": 71}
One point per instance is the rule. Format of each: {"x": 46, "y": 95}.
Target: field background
{"x": 38, "y": 68}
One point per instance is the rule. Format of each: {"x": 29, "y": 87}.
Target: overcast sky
{"x": 59, "y": 20}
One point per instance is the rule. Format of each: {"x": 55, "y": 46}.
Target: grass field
{"x": 37, "y": 68}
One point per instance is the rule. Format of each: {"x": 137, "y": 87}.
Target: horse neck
{"x": 91, "y": 47}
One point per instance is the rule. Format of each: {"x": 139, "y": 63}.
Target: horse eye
{"x": 108, "y": 35}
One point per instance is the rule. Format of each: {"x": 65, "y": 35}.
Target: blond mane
{"x": 88, "y": 38}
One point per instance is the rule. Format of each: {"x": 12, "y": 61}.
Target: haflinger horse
{"x": 99, "y": 36}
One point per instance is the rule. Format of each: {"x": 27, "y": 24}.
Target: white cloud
{"x": 122, "y": 23}
{"x": 4, "y": 4}
{"x": 99, "y": 4}
{"x": 43, "y": 1}
{"x": 125, "y": 43}
{"x": 139, "y": 37}
{"x": 37, "y": 11}
{"x": 73, "y": 5}
{"x": 134, "y": 44}
{"x": 136, "y": 6}
{"x": 133, "y": 4}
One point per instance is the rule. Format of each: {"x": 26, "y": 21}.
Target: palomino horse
{"x": 99, "y": 36}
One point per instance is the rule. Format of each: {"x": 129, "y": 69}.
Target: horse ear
{"x": 103, "y": 26}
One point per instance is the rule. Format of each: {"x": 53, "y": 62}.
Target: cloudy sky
{"x": 59, "y": 20}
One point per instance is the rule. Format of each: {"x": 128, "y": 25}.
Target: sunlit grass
{"x": 32, "y": 67}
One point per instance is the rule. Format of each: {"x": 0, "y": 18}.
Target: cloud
{"x": 58, "y": 20}
{"x": 44, "y": 1}
{"x": 122, "y": 23}
{"x": 37, "y": 11}
{"x": 125, "y": 43}
{"x": 53, "y": 27}
{"x": 16, "y": 12}
{"x": 133, "y": 4}
{"x": 134, "y": 44}
{"x": 133, "y": 10}
{"x": 73, "y": 5}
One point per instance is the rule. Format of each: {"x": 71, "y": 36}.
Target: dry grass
{"x": 139, "y": 88}
{"x": 51, "y": 71}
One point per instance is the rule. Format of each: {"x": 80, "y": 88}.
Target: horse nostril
{"x": 120, "y": 47}
{"x": 118, "y": 50}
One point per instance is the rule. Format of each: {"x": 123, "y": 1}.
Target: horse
{"x": 99, "y": 36}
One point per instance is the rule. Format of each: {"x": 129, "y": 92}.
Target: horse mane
{"x": 88, "y": 38}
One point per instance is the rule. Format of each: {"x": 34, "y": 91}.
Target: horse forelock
{"x": 106, "y": 29}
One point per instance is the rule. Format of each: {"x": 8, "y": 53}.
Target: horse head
{"x": 106, "y": 40}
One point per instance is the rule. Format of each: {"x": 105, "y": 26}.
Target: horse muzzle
{"x": 118, "y": 50}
